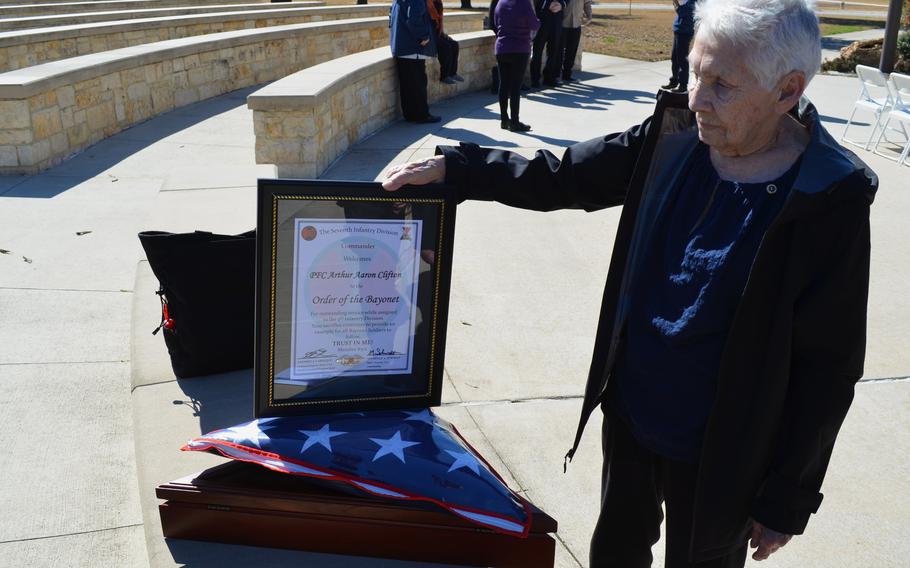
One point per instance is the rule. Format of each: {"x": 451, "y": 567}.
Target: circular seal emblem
{"x": 308, "y": 233}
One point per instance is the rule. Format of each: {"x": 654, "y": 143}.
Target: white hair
{"x": 777, "y": 36}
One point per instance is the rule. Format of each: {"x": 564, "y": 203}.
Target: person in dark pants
{"x": 577, "y": 14}
{"x": 413, "y": 41}
{"x": 732, "y": 328}
{"x": 549, "y": 12}
{"x": 683, "y": 30}
{"x": 637, "y": 482}
{"x": 514, "y": 22}
{"x": 446, "y": 47}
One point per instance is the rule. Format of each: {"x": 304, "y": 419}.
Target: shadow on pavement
{"x": 835, "y": 44}
{"x": 221, "y": 400}
{"x": 836, "y": 120}
{"x": 463, "y": 135}
{"x": 589, "y": 75}
{"x": 581, "y": 95}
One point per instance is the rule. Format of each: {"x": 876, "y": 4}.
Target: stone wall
{"x": 25, "y": 8}
{"x": 44, "y": 119}
{"x": 70, "y": 17}
{"x": 23, "y": 49}
{"x": 307, "y": 120}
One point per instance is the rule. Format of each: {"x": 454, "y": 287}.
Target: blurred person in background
{"x": 446, "y": 47}
{"x": 413, "y": 41}
{"x": 514, "y": 22}
{"x": 577, "y": 14}
{"x": 549, "y": 12}
{"x": 683, "y": 30}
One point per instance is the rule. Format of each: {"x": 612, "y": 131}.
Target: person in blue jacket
{"x": 683, "y": 30}
{"x": 413, "y": 41}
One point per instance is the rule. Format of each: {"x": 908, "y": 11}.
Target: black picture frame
{"x": 283, "y": 205}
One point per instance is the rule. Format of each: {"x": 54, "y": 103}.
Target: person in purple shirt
{"x": 515, "y": 23}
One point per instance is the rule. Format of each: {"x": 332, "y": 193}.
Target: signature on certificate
{"x": 381, "y": 351}
{"x": 316, "y": 354}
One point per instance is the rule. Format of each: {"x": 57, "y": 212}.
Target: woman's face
{"x": 735, "y": 114}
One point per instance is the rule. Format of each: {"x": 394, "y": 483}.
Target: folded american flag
{"x": 411, "y": 455}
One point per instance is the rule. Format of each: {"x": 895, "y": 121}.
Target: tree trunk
{"x": 466, "y": 4}
{"x": 889, "y": 49}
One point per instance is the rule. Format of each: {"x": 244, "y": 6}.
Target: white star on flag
{"x": 323, "y": 437}
{"x": 252, "y": 432}
{"x": 463, "y": 459}
{"x": 422, "y": 416}
{"x": 393, "y": 445}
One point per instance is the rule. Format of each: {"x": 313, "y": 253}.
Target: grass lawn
{"x": 648, "y": 35}
{"x": 645, "y": 35}
{"x": 834, "y": 29}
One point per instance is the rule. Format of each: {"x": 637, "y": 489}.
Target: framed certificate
{"x": 352, "y": 296}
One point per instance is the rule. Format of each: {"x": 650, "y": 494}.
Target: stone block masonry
{"x": 25, "y": 48}
{"x": 307, "y": 120}
{"x": 49, "y": 112}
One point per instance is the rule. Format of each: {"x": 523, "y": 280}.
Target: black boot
{"x": 671, "y": 85}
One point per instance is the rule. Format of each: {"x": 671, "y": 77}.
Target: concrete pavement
{"x": 83, "y": 425}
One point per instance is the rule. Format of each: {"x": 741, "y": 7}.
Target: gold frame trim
{"x": 273, "y": 271}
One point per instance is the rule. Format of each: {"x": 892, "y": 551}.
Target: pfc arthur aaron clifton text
{"x": 358, "y": 276}
{"x": 732, "y": 328}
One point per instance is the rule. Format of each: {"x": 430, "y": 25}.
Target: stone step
{"x": 25, "y": 22}
{"x": 11, "y": 3}
{"x": 51, "y": 111}
{"x": 18, "y": 9}
{"x": 306, "y": 120}
{"x": 35, "y": 46}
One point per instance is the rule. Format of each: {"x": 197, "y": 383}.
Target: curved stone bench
{"x": 50, "y": 111}
{"x": 40, "y": 45}
{"x": 47, "y": 20}
{"x": 306, "y": 120}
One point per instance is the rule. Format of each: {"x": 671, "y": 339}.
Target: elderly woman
{"x": 732, "y": 328}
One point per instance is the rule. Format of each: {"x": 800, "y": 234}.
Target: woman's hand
{"x": 766, "y": 540}
{"x": 430, "y": 170}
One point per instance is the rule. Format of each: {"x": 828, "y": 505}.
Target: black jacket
{"x": 796, "y": 346}
{"x": 542, "y": 9}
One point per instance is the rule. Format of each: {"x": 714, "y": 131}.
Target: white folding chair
{"x": 875, "y": 97}
{"x": 899, "y": 85}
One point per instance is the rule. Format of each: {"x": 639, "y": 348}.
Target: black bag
{"x": 207, "y": 293}
{"x": 494, "y": 76}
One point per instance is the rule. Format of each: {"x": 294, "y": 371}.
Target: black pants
{"x": 547, "y": 36}
{"x": 679, "y": 59}
{"x": 447, "y": 52}
{"x": 511, "y": 72}
{"x": 412, "y": 86}
{"x": 569, "y": 49}
{"x": 635, "y": 482}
